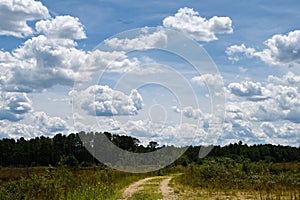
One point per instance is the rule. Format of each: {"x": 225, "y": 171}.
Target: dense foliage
{"x": 69, "y": 150}
{"x": 240, "y": 152}
{"x": 223, "y": 176}
{"x": 66, "y": 183}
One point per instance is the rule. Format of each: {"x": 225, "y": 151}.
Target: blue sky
{"x": 47, "y": 46}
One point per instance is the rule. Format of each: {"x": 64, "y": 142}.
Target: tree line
{"x": 70, "y": 150}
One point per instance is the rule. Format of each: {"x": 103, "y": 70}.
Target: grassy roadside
{"x": 223, "y": 180}
{"x": 213, "y": 179}
{"x": 66, "y": 183}
{"x": 150, "y": 191}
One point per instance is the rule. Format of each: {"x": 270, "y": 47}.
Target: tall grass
{"x": 213, "y": 178}
{"x": 262, "y": 179}
{"x": 65, "y": 183}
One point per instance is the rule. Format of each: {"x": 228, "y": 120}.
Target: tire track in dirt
{"x": 134, "y": 187}
{"x": 164, "y": 188}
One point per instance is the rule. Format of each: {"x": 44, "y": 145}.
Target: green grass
{"x": 150, "y": 191}
{"x": 214, "y": 179}
{"x": 222, "y": 179}
{"x": 64, "y": 183}
{"x": 146, "y": 196}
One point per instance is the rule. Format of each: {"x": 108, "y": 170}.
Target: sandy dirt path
{"x": 165, "y": 189}
{"x": 134, "y": 187}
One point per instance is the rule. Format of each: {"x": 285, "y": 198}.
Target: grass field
{"x": 63, "y": 183}
{"x": 150, "y": 191}
{"x": 213, "y": 179}
{"x": 227, "y": 180}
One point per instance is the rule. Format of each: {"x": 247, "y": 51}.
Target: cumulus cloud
{"x": 41, "y": 124}
{"x": 290, "y": 131}
{"x": 272, "y": 119}
{"x": 42, "y": 63}
{"x": 190, "y": 112}
{"x": 190, "y": 22}
{"x": 269, "y": 129}
{"x": 246, "y": 88}
{"x": 279, "y": 132}
{"x": 268, "y": 110}
{"x": 239, "y": 129}
{"x": 169, "y": 134}
{"x": 101, "y": 100}
{"x": 15, "y": 14}
{"x": 49, "y": 125}
{"x": 233, "y": 112}
{"x": 288, "y": 79}
{"x": 116, "y": 62}
{"x": 16, "y": 130}
{"x": 13, "y": 106}
{"x": 286, "y": 96}
{"x": 293, "y": 115}
{"x": 210, "y": 80}
{"x": 284, "y": 133}
{"x": 281, "y": 50}
{"x": 61, "y": 27}
{"x": 269, "y": 102}
{"x": 238, "y": 49}
{"x": 144, "y": 41}
{"x": 137, "y": 128}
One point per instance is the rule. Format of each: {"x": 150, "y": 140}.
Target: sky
{"x": 175, "y": 72}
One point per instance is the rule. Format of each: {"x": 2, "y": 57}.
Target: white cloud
{"x": 288, "y": 79}
{"x": 268, "y": 113}
{"x": 101, "y": 100}
{"x": 293, "y": 115}
{"x": 42, "y": 63}
{"x": 284, "y": 133}
{"x": 41, "y": 124}
{"x": 246, "y": 88}
{"x": 233, "y": 112}
{"x": 136, "y": 99}
{"x": 286, "y": 96}
{"x": 290, "y": 131}
{"x": 239, "y": 130}
{"x": 49, "y": 125}
{"x": 137, "y": 128}
{"x": 237, "y": 49}
{"x": 180, "y": 134}
{"x": 282, "y": 50}
{"x": 61, "y": 27}
{"x": 144, "y": 41}
{"x": 268, "y": 110}
{"x": 265, "y": 102}
{"x": 190, "y": 22}
{"x": 190, "y": 112}
{"x": 16, "y": 130}
{"x": 13, "y": 106}
{"x": 269, "y": 129}
{"x": 210, "y": 80}
{"x": 15, "y": 14}
{"x": 116, "y": 61}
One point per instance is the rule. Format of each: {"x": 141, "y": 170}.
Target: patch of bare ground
{"x": 134, "y": 187}
{"x": 164, "y": 187}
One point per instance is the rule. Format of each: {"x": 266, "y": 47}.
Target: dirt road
{"x": 166, "y": 191}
